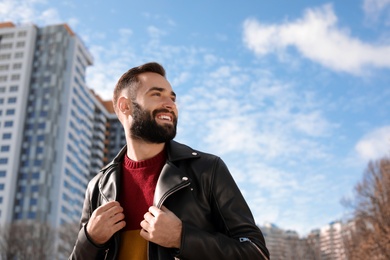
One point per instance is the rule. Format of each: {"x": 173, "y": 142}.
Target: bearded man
{"x": 159, "y": 199}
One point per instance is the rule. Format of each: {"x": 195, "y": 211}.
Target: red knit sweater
{"x": 139, "y": 179}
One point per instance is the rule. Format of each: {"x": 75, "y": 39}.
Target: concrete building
{"x": 331, "y": 243}
{"x": 17, "y": 45}
{"x": 55, "y": 133}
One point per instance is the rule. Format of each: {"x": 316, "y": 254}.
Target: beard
{"x": 146, "y": 128}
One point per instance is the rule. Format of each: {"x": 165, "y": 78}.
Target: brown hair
{"x": 130, "y": 79}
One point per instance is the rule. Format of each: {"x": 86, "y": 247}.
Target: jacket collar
{"x": 176, "y": 152}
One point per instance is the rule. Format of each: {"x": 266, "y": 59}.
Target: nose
{"x": 169, "y": 103}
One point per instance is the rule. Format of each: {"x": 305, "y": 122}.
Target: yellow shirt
{"x": 133, "y": 246}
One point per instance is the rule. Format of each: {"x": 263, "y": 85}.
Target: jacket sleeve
{"x": 84, "y": 248}
{"x": 238, "y": 237}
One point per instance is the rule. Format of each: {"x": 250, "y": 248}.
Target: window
{"x": 2, "y": 173}
{"x": 5, "y": 56}
{"x": 11, "y": 100}
{"x": 3, "y": 160}
{"x": 4, "y": 148}
{"x": 38, "y": 163}
{"x": 29, "y": 126}
{"x": 31, "y": 215}
{"x": 35, "y": 175}
{"x": 34, "y": 188}
{"x": 33, "y": 202}
{"x": 1, "y": 101}
{"x": 39, "y": 150}
{"x": 22, "y": 33}
{"x": 15, "y": 77}
{"x": 7, "y": 35}
{"x": 5, "y": 46}
{"x": 7, "y": 136}
{"x": 13, "y": 89}
{"x": 3, "y": 78}
{"x": 2, "y": 186}
{"x": 10, "y": 112}
{"x": 8, "y": 123}
{"x": 20, "y": 44}
{"x": 28, "y": 138}
{"x": 2, "y": 89}
{"x": 25, "y": 163}
{"x": 4, "y": 67}
{"x": 17, "y": 66}
{"x": 18, "y": 55}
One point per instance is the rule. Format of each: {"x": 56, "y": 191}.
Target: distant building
{"x": 331, "y": 241}
{"x": 286, "y": 244}
{"x": 325, "y": 243}
{"x": 55, "y": 133}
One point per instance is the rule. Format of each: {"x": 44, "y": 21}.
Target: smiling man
{"x": 159, "y": 199}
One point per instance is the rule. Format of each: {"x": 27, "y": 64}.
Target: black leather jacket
{"x": 198, "y": 188}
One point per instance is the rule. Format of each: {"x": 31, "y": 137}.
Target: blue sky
{"x": 294, "y": 97}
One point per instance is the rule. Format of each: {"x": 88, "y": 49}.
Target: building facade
{"x": 55, "y": 133}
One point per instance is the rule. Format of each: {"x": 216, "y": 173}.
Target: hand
{"x": 162, "y": 227}
{"x": 105, "y": 221}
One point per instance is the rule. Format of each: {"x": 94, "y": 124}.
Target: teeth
{"x": 165, "y": 117}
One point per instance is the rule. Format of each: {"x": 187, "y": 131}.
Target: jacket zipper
{"x": 105, "y": 257}
{"x": 245, "y": 239}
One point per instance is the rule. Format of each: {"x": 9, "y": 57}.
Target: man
{"x": 159, "y": 199}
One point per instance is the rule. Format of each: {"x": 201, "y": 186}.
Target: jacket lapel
{"x": 171, "y": 179}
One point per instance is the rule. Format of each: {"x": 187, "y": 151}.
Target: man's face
{"x": 154, "y": 111}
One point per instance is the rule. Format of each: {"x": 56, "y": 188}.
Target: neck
{"x": 138, "y": 150}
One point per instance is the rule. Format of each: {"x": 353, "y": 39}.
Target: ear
{"x": 123, "y": 105}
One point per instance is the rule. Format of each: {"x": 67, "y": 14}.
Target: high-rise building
{"x": 55, "y": 133}
{"x": 17, "y": 45}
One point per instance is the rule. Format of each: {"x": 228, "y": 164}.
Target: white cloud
{"x": 375, "y": 144}
{"x": 374, "y": 9}
{"x": 32, "y": 11}
{"x": 26, "y": 12}
{"x": 317, "y": 37}
{"x": 245, "y": 112}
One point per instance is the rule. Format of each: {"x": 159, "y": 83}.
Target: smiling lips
{"x": 165, "y": 117}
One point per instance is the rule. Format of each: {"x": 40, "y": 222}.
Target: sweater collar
{"x": 175, "y": 151}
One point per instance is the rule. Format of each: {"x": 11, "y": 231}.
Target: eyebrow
{"x": 160, "y": 90}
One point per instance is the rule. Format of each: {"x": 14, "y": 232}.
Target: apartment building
{"x": 55, "y": 133}
{"x": 17, "y": 45}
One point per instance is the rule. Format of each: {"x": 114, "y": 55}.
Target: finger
{"x": 107, "y": 206}
{"x": 154, "y": 210}
{"x": 148, "y": 216}
{"x": 116, "y": 209}
{"x": 145, "y": 225}
{"x": 117, "y": 226}
{"x": 144, "y": 234}
{"x": 116, "y": 218}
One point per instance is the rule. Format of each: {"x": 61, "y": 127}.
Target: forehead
{"x": 150, "y": 79}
